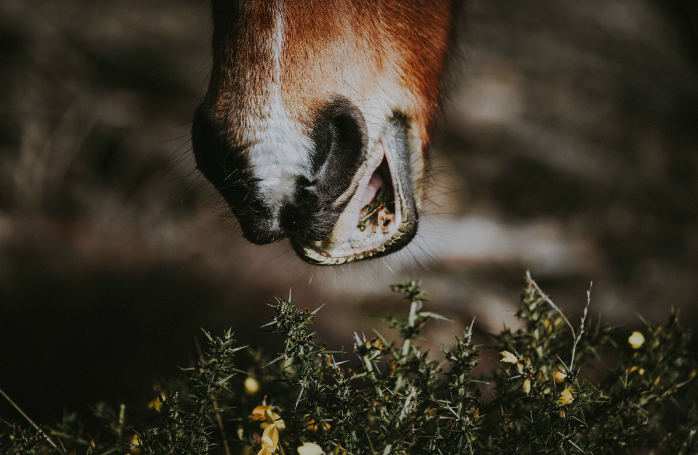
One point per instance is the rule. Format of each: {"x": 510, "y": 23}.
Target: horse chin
{"x": 379, "y": 215}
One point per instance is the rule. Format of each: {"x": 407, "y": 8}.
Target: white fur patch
{"x": 281, "y": 152}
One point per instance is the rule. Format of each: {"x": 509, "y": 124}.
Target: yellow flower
{"x": 559, "y": 376}
{"x": 156, "y": 403}
{"x": 270, "y": 417}
{"x": 270, "y": 440}
{"x": 310, "y": 448}
{"x": 273, "y": 419}
{"x": 259, "y": 411}
{"x": 313, "y": 427}
{"x": 376, "y": 343}
{"x": 135, "y": 441}
{"x": 566, "y": 396}
{"x": 508, "y": 357}
{"x": 527, "y": 386}
{"x": 251, "y": 385}
{"x": 636, "y": 340}
{"x": 547, "y": 325}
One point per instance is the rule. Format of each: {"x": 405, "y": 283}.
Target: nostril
{"x": 339, "y": 138}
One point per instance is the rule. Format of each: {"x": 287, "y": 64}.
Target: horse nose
{"x": 339, "y": 141}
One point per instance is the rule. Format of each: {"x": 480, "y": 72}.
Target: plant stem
{"x": 555, "y": 307}
{"x": 215, "y": 403}
{"x": 29, "y": 420}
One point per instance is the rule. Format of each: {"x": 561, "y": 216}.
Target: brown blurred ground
{"x": 569, "y": 146}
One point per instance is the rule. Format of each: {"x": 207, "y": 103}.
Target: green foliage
{"x": 392, "y": 397}
{"x": 643, "y": 403}
{"x": 70, "y": 436}
{"x": 186, "y": 427}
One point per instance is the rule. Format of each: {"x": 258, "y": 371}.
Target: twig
{"x": 584, "y": 315}
{"x": 575, "y": 338}
{"x": 550, "y": 302}
{"x": 215, "y": 405}
{"x": 29, "y": 420}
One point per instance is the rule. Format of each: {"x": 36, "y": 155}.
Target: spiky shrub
{"x": 393, "y": 398}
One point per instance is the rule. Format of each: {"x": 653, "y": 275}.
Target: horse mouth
{"x": 379, "y": 214}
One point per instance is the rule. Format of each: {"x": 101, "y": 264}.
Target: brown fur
{"x": 363, "y": 43}
{"x": 307, "y": 100}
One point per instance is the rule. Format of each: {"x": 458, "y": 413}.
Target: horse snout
{"x": 280, "y": 189}
{"x": 339, "y": 195}
{"x": 280, "y": 139}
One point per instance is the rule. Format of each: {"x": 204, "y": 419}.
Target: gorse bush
{"x": 392, "y": 397}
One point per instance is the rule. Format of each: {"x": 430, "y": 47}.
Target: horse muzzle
{"x": 347, "y": 198}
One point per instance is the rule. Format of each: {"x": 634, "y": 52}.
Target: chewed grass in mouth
{"x": 376, "y": 216}
{"x": 373, "y": 224}
{"x": 380, "y": 216}
{"x": 366, "y": 230}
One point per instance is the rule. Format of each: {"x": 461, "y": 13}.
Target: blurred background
{"x": 569, "y": 147}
